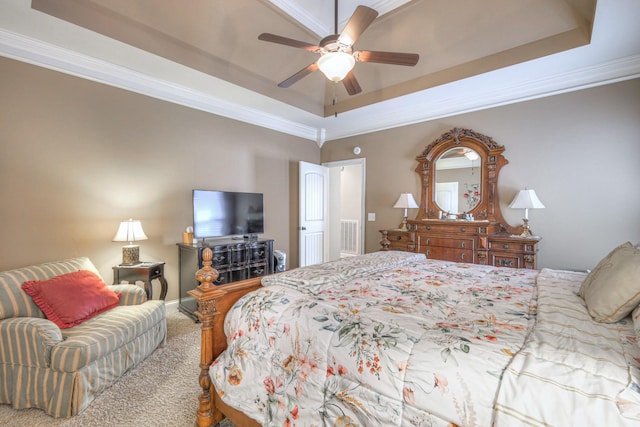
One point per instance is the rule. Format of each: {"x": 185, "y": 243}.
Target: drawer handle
{"x": 505, "y": 246}
{"x": 260, "y": 253}
{"x": 428, "y": 241}
{"x": 428, "y": 227}
{"x": 427, "y": 253}
{"x": 506, "y": 263}
{"x": 219, "y": 258}
{"x": 398, "y": 237}
{"x": 462, "y": 244}
{"x": 258, "y": 271}
{"x": 462, "y": 256}
{"x": 463, "y": 229}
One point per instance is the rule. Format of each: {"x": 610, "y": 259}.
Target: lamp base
{"x": 526, "y": 231}
{"x": 403, "y": 225}
{"x": 130, "y": 255}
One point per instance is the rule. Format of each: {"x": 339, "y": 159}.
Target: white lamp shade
{"x": 336, "y": 65}
{"x": 405, "y": 201}
{"x": 129, "y": 231}
{"x": 526, "y": 199}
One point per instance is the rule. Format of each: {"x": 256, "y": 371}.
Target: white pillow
{"x": 612, "y": 289}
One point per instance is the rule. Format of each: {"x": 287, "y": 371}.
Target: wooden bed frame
{"x": 213, "y": 304}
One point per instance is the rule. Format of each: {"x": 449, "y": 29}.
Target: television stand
{"x": 234, "y": 258}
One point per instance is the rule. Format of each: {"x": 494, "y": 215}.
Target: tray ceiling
{"x": 455, "y": 39}
{"x": 205, "y": 54}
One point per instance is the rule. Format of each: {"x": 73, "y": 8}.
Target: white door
{"x": 447, "y": 196}
{"x": 314, "y": 186}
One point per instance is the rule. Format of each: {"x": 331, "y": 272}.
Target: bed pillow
{"x": 70, "y": 299}
{"x": 612, "y": 289}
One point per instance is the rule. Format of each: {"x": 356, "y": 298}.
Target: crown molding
{"x": 480, "y": 93}
{"x": 49, "y": 56}
{"x": 464, "y": 96}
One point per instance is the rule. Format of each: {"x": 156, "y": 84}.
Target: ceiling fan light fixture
{"x": 471, "y": 155}
{"x": 336, "y": 65}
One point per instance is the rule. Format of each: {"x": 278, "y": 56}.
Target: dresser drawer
{"x": 445, "y": 242}
{"x": 506, "y": 260}
{"x": 398, "y": 240}
{"x": 258, "y": 253}
{"x": 512, "y": 246}
{"x": 454, "y": 228}
{"x": 220, "y": 259}
{"x": 449, "y": 254}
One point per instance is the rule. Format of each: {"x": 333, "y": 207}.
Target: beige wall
{"x": 76, "y": 157}
{"x": 580, "y": 151}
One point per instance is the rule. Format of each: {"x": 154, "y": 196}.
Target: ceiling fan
{"x": 337, "y": 56}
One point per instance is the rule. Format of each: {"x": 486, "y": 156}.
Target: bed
{"x": 394, "y": 339}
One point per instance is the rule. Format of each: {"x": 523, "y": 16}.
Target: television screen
{"x": 226, "y": 213}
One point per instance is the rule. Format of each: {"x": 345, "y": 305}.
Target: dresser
{"x": 234, "y": 260}
{"x": 464, "y": 225}
{"x": 463, "y": 242}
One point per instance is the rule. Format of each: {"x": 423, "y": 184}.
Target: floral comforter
{"x": 571, "y": 370}
{"x": 384, "y": 339}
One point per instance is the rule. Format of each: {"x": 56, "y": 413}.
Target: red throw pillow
{"x": 70, "y": 299}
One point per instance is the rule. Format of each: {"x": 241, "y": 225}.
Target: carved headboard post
{"x": 206, "y": 294}
{"x": 214, "y": 302}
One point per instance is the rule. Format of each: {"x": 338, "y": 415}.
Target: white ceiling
{"x": 612, "y": 54}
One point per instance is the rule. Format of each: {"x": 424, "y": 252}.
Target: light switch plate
{"x": 371, "y": 216}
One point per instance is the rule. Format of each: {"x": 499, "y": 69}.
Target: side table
{"x": 144, "y": 272}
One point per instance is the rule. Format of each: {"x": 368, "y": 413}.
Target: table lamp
{"x": 526, "y": 199}
{"x": 405, "y": 201}
{"x": 130, "y": 231}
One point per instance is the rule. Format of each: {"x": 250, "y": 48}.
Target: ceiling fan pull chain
{"x": 335, "y": 112}
{"x": 335, "y": 17}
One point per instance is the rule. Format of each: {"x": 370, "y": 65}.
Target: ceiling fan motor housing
{"x": 332, "y": 44}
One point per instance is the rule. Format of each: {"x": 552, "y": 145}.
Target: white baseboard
{"x": 171, "y": 305}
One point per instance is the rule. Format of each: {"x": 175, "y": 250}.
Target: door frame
{"x": 363, "y": 162}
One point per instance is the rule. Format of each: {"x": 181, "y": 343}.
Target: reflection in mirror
{"x": 457, "y": 178}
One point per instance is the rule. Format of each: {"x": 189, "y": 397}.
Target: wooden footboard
{"x": 213, "y": 304}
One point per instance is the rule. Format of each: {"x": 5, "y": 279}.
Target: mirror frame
{"x": 492, "y": 160}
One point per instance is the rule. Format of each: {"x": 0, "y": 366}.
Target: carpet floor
{"x": 161, "y": 391}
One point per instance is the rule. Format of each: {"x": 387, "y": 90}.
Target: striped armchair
{"x": 62, "y": 370}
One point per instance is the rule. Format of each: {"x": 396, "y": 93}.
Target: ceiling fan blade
{"x": 351, "y": 84}
{"x": 267, "y": 37}
{"x": 359, "y": 21}
{"x": 393, "y": 58}
{"x": 299, "y": 75}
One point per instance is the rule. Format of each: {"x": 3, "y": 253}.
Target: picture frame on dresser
{"x": 463, "y": 225}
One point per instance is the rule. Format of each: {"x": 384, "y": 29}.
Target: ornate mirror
{"x": 459, "y": 175}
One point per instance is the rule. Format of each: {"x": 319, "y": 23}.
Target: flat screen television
{"x": 227, "y": 213}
